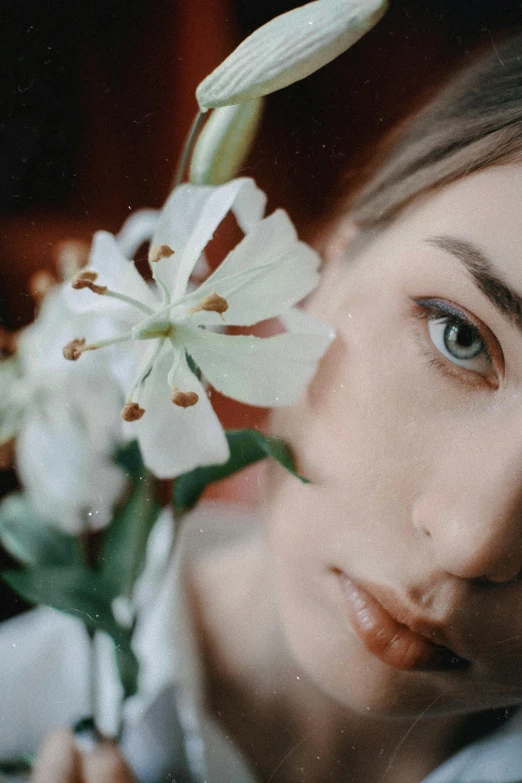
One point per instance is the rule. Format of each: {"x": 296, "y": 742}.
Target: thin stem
{"x": 129, "y": 300}
{"x": 105, "y": 343}
{"x": 188, "y": 148}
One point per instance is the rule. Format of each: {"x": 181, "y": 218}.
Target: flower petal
{"x": 271, "y": 371}
{"x": 136, "y": 230}
{"x": 268, "y": 272}
{"x": 174, "y": 440}
{"x": 114, "y": 271}
{"x": 289, "y": 48}
{"x": 189, "y": 219}
{"x": 69, "y": 483}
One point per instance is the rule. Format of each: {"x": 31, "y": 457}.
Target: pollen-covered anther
{"x": 212, "y": 303}
{"x": 132, "y": 412}
{"x": 74, "y": 349}
{"x": 158, "y": 252}
{"x": 87, "y": 279}
{"x": 183, "y": 399}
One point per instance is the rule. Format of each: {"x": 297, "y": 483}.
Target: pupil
{"x": 462, "y": 341}
{"x": 465, "y": 336}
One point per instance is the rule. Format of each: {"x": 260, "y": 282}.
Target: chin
{"x": 345, "y": 671}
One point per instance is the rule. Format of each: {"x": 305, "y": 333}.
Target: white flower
{"x": 289, "y": 48}
{"x": 66, "y": 423}
{"x": 267, "y": 273}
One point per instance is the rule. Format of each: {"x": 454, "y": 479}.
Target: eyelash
{"x": 432, "y": 310}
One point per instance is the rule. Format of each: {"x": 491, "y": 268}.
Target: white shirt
{"x": 44, "y": 683}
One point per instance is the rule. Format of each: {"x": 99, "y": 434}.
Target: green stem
{"x": 188, "y": 148}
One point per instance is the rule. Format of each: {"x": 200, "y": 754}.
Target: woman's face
{"x": 411, "y": 434}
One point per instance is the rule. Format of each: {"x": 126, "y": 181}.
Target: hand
{"x": 60, "y": 761}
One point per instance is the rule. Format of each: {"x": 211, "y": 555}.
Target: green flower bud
{"x": 224, "y": 143}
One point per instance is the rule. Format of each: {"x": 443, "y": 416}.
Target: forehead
{"x": 484, "y": 209}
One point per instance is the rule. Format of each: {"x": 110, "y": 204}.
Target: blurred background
{"x": 97, "y": 96}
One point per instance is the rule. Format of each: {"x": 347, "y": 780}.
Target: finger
{"x": 58, "y": 760}
{"x": 105, "y": 763}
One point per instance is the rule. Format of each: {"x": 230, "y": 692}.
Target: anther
{"x": 132, "y": 412}
{"x": 183, "y": 399}
{"x": 87, "y": 279}
{"x": 212, "y": 303}
{"x": 74, "y": 349}
{"x": 158, "y": 252}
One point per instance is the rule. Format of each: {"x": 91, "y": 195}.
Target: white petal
{"x": 289, "y": 48}
{"x": 69, "y": 483}
{"x": 12, "y": 402}
{"x": 114, "y": 271}
{"x": 271, "y": 371}
{"x": 268, "y": 272}
{"x": 224, "y": 143}
{"x": 136, "y": 230}
{"x": 174, "y": 440}
{"x": 188, "y": 222}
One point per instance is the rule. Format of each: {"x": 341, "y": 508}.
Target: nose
{"x": 470, "y": 510}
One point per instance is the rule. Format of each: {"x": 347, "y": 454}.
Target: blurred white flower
{"x": 267, "y": 273}
{"x": 66, "y": 423}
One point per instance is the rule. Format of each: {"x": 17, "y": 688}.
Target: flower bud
{"x": 289, "y": 48}
{"x": 224, "y": 143}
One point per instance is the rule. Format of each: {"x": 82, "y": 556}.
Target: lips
{"x": 391, "y": 641}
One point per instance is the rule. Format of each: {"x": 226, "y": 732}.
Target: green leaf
{"x": 246, "y": 447}
{"x": 129, "y": 458}
{"x": 31, "y": 539}
{"x": 128, "y": 668}
{"x": 75, "y": 590}
{"x": 84, "y": 594}
{"x": 125, "y": 539}
{"x": 18, "y": 765}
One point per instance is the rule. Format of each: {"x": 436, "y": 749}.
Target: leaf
{"x": 246, "y": 447}
{"x": 18, "y": 765}
{"x": 31, "y": 539}
{"x": 289, "y": 48}
{"x": 84, "y": 594}
{"x": 225, "y": 142}
{"x": 125, "y": 539}
{"x": 129, "y": 458}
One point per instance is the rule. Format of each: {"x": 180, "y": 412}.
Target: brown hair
{"x": 473, "y": 123}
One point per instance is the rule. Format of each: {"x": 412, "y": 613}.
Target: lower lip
{"x": 390, "y": 641}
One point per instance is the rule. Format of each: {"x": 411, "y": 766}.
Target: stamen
{"x": 105, "y": 343}
{"x": 212, "y": 303}
{"x": 74, "y": 349}
{"x": 183, "y": 399}
{"x": 87, "y": 279}
{"x": 132, "y": 412}
{"x": 159, "y": 252}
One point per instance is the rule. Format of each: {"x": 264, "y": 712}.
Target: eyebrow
{"x": 486, "y": 277}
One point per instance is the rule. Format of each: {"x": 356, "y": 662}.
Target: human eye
{"x": 457, "y": 337}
